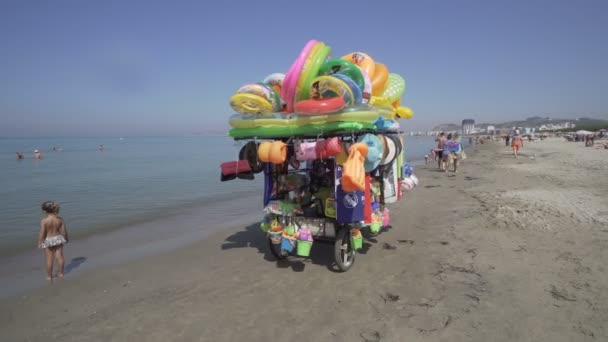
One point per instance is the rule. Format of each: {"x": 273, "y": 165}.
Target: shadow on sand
{"x": 74, "y": 263}
{"x": 322, "y": 252}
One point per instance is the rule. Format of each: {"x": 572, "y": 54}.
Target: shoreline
{"x": 506, "y": 249}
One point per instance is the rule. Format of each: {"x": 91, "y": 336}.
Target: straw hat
{"x": 391, "y": 151}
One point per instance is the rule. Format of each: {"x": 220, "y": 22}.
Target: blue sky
{"x": 124, "y": 68}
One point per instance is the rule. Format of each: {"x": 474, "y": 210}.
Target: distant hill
{"x": 533, "y": 122}
{"x": 446, "y": 128}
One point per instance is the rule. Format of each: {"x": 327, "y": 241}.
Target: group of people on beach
{"x": 448, "y": 152}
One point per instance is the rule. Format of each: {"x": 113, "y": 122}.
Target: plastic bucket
{"x": 386, "y": 218}
{"x": 275, "y": 237}
{"x": 287, "y": 244}
{"x": 374, "y": 227}
{"x": 357, "y": 242}
{"x": 290, "y": 229}
{"x": 304, "y": 248}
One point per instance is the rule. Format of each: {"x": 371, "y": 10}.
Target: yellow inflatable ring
{"x": 310, "y": 71}
{"x": 250, "y": 104}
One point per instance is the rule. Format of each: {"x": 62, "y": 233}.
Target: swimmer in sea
{"x": 37, "y": 154}
{"x": 19, "y": 155}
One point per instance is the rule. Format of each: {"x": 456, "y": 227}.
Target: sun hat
{"x": 375, "y": 151}
{"x": 398, "y": 143}
{"x": 391, "y": 151}
{"x": 249, "y": 152}
{"x": 35, "y": 151}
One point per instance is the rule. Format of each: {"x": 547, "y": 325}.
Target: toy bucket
{"x": 374, "y": 227}
{"x": 290, "y": 230}
{"x": 287, "y": 244}
{"x": 357, "y": 239}
{"x": 386, "y": 219}
{"x": 275, "y": 237}
{"x": 304, "y": 248}
{"x": 304, "y": 234}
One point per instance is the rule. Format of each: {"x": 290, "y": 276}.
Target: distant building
{"x": 468, "y": 126}
{"x": 490, "y": 129}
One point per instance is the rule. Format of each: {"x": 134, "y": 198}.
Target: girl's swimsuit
{"x": 53, "y": 241}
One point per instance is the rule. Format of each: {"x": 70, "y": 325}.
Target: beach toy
{"x": 414, "y": 179}
{"x": 233, "y": 169}
{"x": 278, "y": 152}
{"x": 357, "y": 93}
{"x": 408, "y": 169}
{"x": 375, "y": 151}
{"x": 250, "y": 104}
{"x": 386, "y": 219}
{"x": 279, "y": 121}
{"x": 303, "y": 248}
{"x": 306, "y": 150}
{"x": 310, "y": 71}
{"x": 275, "y": 80}
{"x": 309, "y": 129}
{"x": 343, "y": 67}
{"x": 363, "y": 60}
{"x": 367, "y": 88}
{"x": 353, "y": 173}
{"x": 263, "y": 90}
{"x": 320, "y": 106}
{"x": 264, "y": 226}
{"x": 290, "y": 82}
{"x": 304, "y": 234}
{"x": 264, "y": 151}
{"x": 275, "y": 237}
{"x": 380, "y": 79}
{"x": 330, "y": 207}
{"x": 406, "y": 184}
{"x": 357, "y": 239}
{"x": 287, "y": 243}
{"x": 328, "y": 147}
{"x": 323, "y": 87}
{"x": 404, "y": 113}
{"x": 375, "y": 227}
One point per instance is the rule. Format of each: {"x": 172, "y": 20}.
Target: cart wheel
{"x": 276, "y": 252}
{"x": 343, "y": 250}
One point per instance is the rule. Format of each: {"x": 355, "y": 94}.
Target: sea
{"x": 132, "y": 180}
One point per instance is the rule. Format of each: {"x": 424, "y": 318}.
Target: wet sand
{"x": 505, "y": 250}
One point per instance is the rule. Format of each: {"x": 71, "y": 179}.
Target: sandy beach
{"x": 504, "y": 250}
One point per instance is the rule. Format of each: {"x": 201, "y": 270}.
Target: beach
{"x": 504, "y": 250}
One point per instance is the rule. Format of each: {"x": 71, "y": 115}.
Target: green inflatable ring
{"x": 340, "y": 66}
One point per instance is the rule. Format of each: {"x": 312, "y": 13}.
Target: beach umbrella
{"x": 583, "y": 132}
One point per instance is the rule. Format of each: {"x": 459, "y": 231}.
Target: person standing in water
{"x": 19, "y": 155}
{"x": 517, "y": 143}
{"x": 52, "y": 236}
{"x": 37, "y": 154}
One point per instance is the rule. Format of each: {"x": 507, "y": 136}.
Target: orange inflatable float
{"x": 353, "y": 176}
{"x": 380, "y": 79}
{"x": 363, "y": 60}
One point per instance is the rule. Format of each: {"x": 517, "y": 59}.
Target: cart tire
{"x": 277, "y": 253}
{"x": 344, "y": 253}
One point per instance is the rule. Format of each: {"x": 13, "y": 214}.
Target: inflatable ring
{"x": 367, "y": 88}
{"x": 380, "y": 79}
{"x": 306, "y": 130}
{"x": 304, "y": 71}
{"x": 250, "y": 104}
{"x": 395, "y": 88}
{"x": 275, "y": 99}
{"x": 353, "y": 87}
{"x": 275, "y": 80}
{"x": 320, "y": 106}
{"x": 344, "y": 67}
{"x": 363, "y": 60}
{"x": 293, "y": 120}
{"x": 405, "y": 113}
{"x": 312, "y": 71}
{"x": 329, "y": 86}
{"x": 291, "y": 78}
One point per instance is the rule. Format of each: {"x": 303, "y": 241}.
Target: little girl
{"x": 53, "y": 235}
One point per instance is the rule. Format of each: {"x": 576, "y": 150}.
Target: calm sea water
{"x": 132, "y": 179}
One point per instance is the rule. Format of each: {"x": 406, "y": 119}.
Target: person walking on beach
{"x": 516, "y": 143}
{"x": 52, "y": 236}
{"x": 507, "y": 138}
{"x": 440, "y": 144}
{"x": 445, "y": 154}
{"x": 456, "y": 151}
{"x": 37, "y": 154}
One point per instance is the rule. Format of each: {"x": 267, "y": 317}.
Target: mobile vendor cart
{"x": 305, "y": 203}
